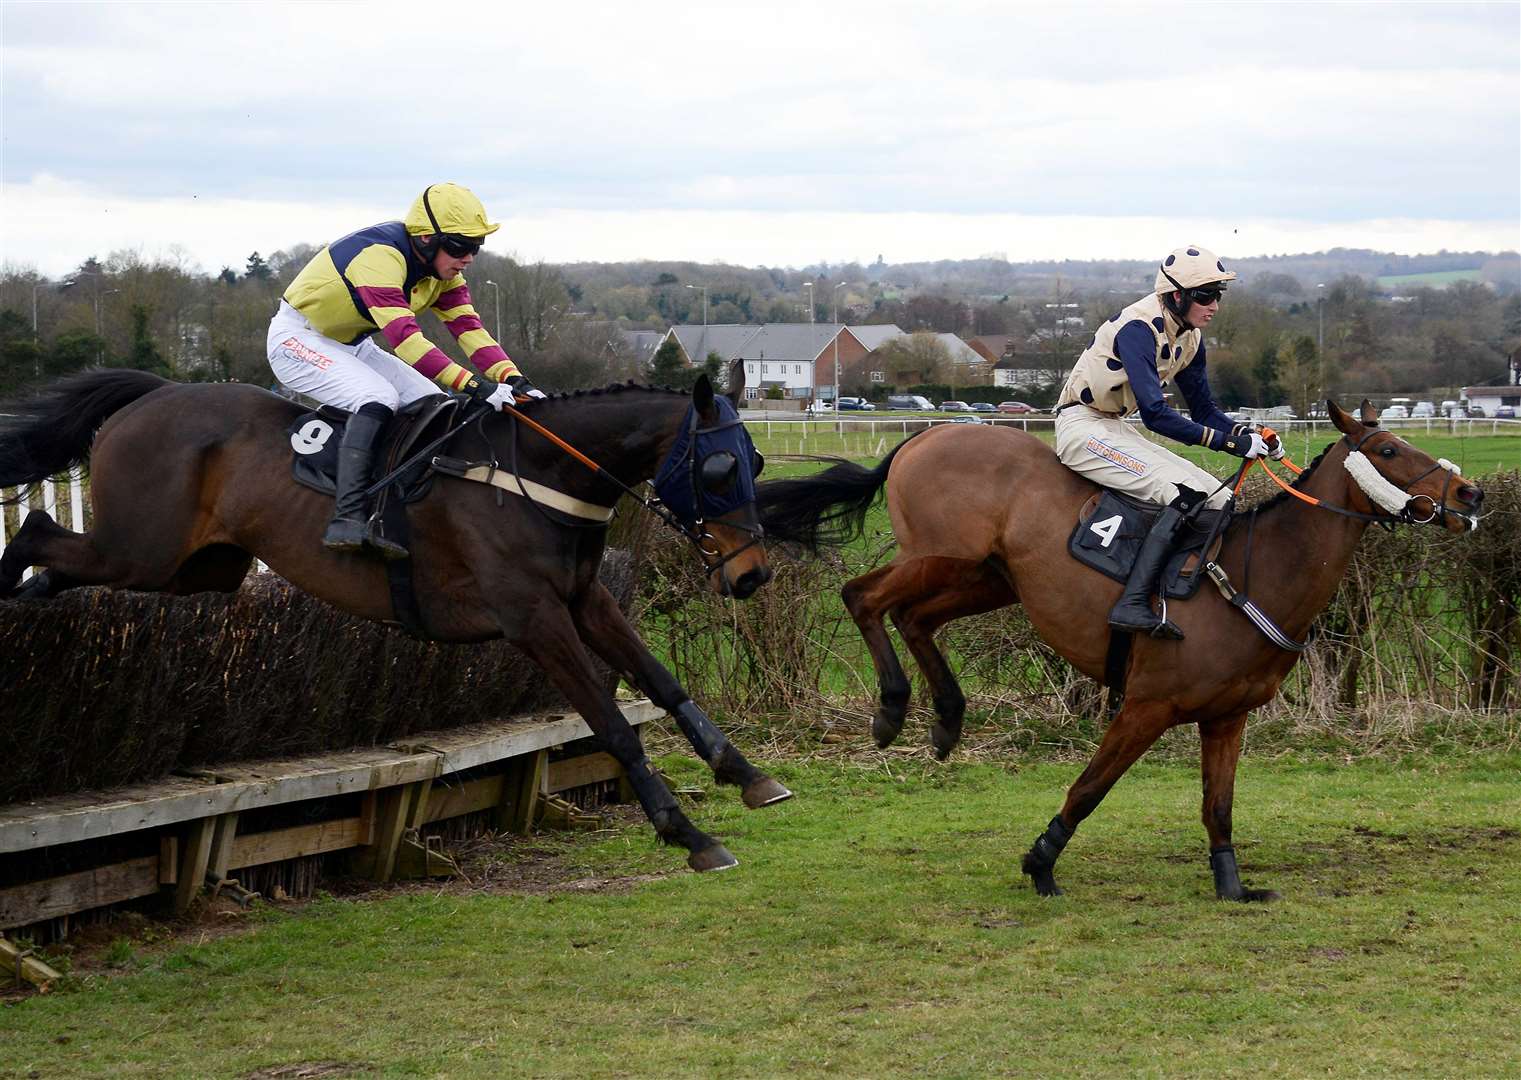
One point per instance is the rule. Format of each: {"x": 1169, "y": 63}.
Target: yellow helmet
{"x": 1189, "y": 268}
{"x": 448, "y": 209}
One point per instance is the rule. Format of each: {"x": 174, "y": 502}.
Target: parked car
{"x": 1422, "y": 410}
{"x": 983, "y": 406}
{"x": 955, "y": 406}
{"x": 1451, "y": 408}
{"x": 1016, "y": 407}
{"x": 971, "y": 418}
{"x": 1505, "y": 412}
{"x": 855, "y": 404}
{"x": 909, "y": 401}
{"x": 1394, "y": 412}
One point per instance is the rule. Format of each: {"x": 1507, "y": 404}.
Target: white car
{"x": 1395, "y": 412}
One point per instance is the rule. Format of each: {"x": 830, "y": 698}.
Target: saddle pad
{"x": 1111, "y": 528}
{"x": 314, "y": 439}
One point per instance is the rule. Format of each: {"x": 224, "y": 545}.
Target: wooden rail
{"x": 402, "y": 787}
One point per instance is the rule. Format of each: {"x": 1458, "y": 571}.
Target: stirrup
{"x": 1165, "y": 629}
{"x": 387, "y": 549}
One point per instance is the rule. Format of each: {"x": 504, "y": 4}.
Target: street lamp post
{"x": 1320, "y": 336}
{"x": 497, "y": 289}
{"x": 835, "y": 318}
{"x": 809, "y": 286}
{"x": 702, "y": 346}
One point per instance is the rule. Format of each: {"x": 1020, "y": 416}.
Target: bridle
{"x": 1398, "y": 502}
{"x": 717, "y": 471}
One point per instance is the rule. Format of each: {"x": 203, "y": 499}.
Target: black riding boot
{"x": 1134, "y": 612}
{"x": 350, "y": 528}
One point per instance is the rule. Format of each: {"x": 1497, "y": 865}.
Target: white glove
{"x": 502, "y": 395}
{"x": 1275, "y": 444}
{"x": 1259, "y": 448}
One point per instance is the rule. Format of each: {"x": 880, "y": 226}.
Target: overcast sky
{"x": 779, "y": 134}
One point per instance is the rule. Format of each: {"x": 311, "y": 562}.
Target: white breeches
{"x": 1113, "y": 454}
{"x": 346, "y": 376}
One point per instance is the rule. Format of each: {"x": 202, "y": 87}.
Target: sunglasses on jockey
{"x": 1207, "y": 295}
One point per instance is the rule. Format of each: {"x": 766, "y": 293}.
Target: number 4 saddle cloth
{"x": 1110, "y": 529}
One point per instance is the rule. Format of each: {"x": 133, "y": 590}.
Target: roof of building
{"x": 790, "y": 341}
{"x": 960, "y": 351}
{"x": 876, "y": 335}
{"x": 726, "y": 339}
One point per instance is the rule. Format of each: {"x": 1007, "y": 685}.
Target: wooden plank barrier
{"x": 197, "y": 816}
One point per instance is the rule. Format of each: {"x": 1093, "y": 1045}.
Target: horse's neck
{"x": 626, "y": 431}
{"x": 1299, "y": 552}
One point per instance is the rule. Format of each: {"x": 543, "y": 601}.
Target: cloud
{"x": 677, "y": 112}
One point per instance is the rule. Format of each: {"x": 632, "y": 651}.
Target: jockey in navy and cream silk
{"x": 1132, "y": 358}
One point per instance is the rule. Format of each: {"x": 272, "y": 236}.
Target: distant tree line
{"x": 1290, "y": 332}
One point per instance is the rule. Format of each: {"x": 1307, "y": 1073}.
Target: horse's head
{"x": 708, "y": 483}
{"x": 1396, "y": 478}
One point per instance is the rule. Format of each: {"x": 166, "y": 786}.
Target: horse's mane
{"x": 1283, "y": 496}
{"x": 599, "y": 391}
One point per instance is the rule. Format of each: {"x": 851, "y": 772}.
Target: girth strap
{"x": 1258, "y": 617}
{"x": 546, "y": 496}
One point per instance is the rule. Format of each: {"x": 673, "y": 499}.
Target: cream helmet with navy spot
{"x": 1186, "y": 269}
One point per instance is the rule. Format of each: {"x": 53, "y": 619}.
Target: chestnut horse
{"x": 189, "y": 483}
{"x": 982, "y": 517}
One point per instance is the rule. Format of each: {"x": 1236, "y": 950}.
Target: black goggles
{"x": 1207, "y": 295}
{"x": 459, "y": 246}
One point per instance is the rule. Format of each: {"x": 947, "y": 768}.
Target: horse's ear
{"x": 702, "y": 397}
{"x": 1369, "y": 415}
{"x": 736, "y": 389}
{"x": 1341, "y": 418}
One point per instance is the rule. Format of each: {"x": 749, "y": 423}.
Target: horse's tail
{"x": 51, "y": 431}
{"x": 827, "y": 509}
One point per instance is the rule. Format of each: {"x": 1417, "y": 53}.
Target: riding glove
{"x": 1245, "y": 444}
{"x": 524, "y": 389}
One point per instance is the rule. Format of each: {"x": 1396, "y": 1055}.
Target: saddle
{"x": 1111, "y": 526}
{"x": 314, "y": 439}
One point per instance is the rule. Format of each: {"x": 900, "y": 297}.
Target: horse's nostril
{"x": 1472, "y": 495}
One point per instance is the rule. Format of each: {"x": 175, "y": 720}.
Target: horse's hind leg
{"x": 958, "y": 588}
{"x": 549, "y": 638}
{"x": 1134, "y": 730}
{"x": 68, "y": 556}
{"x": 1219, "y": 750}
{"x": 868, "y": 598}
{"x": 604, "y": 629}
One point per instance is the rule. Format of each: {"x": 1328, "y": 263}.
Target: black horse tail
{"x": 51, "y": 431}
{"x": 824, "y": 510}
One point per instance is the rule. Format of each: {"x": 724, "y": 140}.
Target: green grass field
{"x": 878, "y": 927}
{"x": 1434, "y": 279}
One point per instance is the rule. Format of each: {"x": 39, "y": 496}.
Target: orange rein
{"x": 1269, "y": 434}
{"x": 561, "y": 443}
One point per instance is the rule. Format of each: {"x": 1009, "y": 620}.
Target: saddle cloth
{"x": 1111, "y": 527}
{"x": 314, "y": 439}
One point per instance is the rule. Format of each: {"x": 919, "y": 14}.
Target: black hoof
{"x": 763, "y": 791}
{"x": 943, "y": 741}
{"x": 1041, "y": 877}
{"x": 716, "y": 857}
{"x": 885, "y": 729}
{"x": 1255, "y": 896}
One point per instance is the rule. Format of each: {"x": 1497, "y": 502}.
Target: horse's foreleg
{"x": 604, "y": 629}
{"x": 1219, "y": 750}
{"x": 956, "y": 588}
{"x": 549, "y": 638}
{"x": 1131, "y": 734}
{"x": 868, "y": 598}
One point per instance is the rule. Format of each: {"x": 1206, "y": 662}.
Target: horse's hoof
{"x": 943, "y": 742}
{"x": 885, "y": 729}
{"x": 716, "y": 857}
{"x": 1258, "y": 896}
{"x": 763, "y": 792}
{"x": 1040, "y": 874}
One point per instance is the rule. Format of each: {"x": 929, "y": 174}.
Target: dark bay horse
{"x": 189, "y": 483}
{"x": 982, "y": 516}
